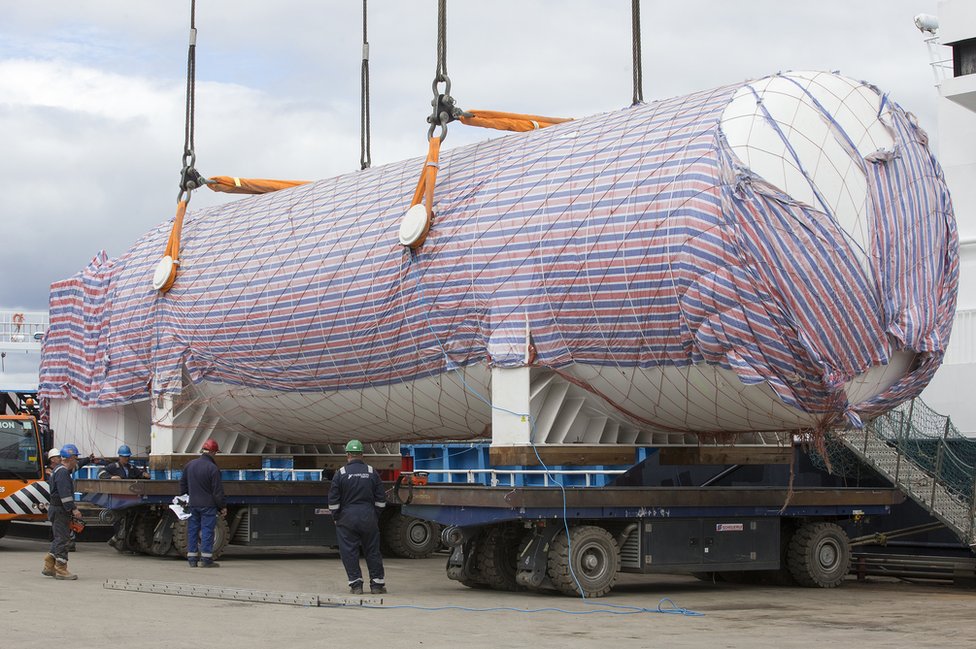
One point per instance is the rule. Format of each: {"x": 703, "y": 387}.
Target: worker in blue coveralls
{"x": 356, "y": 499}
{"x": 121, "y": 469}
{"x": 201, "y": 480}
{"x": 60, "y": 512}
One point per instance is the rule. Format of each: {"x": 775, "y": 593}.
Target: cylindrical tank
{"x": 772, "y": 255}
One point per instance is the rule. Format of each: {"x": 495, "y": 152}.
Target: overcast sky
{"x": 92, "y": 91}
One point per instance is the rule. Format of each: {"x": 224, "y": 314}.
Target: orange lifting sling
{"x": 508, "y": 121}
{"x": 233, "y": 185}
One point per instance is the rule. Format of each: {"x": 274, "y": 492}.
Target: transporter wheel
{"x": 143, "y": 530}
{"x": 411, "y": 538}
{"x": 498, "y": 558}
{"x": 471, "y": 575}
{"x": 221, "y": 537}
{"x": 819, "y": 555}
{"x": 591, "y": 554}
{"x": 4, "y": 525}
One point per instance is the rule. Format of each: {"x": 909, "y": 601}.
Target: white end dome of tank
{"x": 808, "y": 134}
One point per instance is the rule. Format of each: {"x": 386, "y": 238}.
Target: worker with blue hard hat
{"x": 61, "y": 511}
{"x": 356, "y": 498}
{"x": 122, "y": 469}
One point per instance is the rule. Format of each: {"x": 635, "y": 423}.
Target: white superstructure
{"x": 951, "y": 391}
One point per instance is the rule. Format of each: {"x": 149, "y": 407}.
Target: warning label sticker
{"x": 728, "y": 527}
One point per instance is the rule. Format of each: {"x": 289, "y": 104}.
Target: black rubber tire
{"x": 819, "y": 555}
{"x": 143, "y": 529}
{"x": 4, "y": 525}
{"x": 498, "y": 558}
{"x": 221, "y": 537}
{"x": 595, "y": 561}
{"x": 411, "y": 538}
{"x": 472, "y": 564}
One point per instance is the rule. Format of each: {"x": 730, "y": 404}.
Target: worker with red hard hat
{"x": 201, "y": 480}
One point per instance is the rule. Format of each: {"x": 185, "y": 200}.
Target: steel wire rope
{"x": 364, "y": 135}
{"x": 188, "y": 147}
{"x": 187, "y": 181}
{"x": 635, "y": 23}
{"x": 189, "y": 155}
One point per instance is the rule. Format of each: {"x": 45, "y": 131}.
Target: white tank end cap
{"x": 163, "y": 270}
{"x": 414, "y": 225}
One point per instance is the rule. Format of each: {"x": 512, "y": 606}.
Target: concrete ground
{"x": 34, "y": 609}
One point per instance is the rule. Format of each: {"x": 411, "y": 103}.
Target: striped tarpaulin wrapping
{"x": 629, "y": 239}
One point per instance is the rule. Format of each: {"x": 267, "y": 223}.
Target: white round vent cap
{"x": 163, "y": 270}
{"x": 414, "y": 225}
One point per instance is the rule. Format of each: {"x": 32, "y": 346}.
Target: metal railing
{"x": 925, "y": 456}
{"x": 22, "y": 329}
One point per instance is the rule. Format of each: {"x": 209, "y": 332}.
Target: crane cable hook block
{"x": 165, "y": 273}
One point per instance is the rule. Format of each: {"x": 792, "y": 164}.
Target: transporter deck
{"x": 463, "y": 505}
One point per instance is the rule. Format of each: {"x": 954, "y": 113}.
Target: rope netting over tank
{"x": 774, "y": 255}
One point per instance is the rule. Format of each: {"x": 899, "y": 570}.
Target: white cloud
{"x": 92, "y": 93}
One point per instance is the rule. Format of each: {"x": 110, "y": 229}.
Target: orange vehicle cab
{"x": 24, "y": 492}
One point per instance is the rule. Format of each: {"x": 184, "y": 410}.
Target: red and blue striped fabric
{"x": 632, "y": 239}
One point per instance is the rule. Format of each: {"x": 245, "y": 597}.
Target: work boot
{"x": 357, "y": 588}
{"x": 193, "y": 563}
{"x": 209, "y": 563}
{"x": 377, "y": 589}
{"x": 61, "y": 570}
{"x": 48, "y": 566}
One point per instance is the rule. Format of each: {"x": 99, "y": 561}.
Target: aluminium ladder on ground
{"x": 923, "y": 454}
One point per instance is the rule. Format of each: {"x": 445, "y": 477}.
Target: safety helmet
{"x": 354, "y": 446}
{"x": 69, "y": 450}
{"x": 125, "y": 451}
{"x": 210, "y": 445}
{"x": 54, "y": 452}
